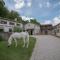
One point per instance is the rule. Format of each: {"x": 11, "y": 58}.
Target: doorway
{"x": 46, "y": 32}
{"x": 30, "y": 31}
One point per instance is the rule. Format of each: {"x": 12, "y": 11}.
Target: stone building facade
{"x": 56, "y": 30}
{"x": 46, "y": 29}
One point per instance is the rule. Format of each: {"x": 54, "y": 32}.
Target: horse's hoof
{"x": 26, "y": 47}
{"x": 8, "y": 46}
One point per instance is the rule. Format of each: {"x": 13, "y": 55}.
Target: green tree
{"x": 19, "y": 19}
{"x": 25, "y": 22}
{"x": 2, "y": 3}
{"x": 34, "y": 21}
{"x": 13, "y": 15}
{"x": 2, "y": 7}
{"x": 3, "y": 10}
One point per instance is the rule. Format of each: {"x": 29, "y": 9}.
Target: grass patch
{"x": 18, "y": 53}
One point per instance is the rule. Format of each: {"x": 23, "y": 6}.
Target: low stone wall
{"x": 5, "y": 35}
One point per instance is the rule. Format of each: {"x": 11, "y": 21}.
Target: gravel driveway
{"x": 47, "y": 48}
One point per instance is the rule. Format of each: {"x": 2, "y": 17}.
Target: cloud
{"x": 19, "y": 4}
{"x": 29, "y": 4}
{"x": 45, "y": 4}
{"x": 26, "y": 18}
{"x": 40, "y": 5}
{"x": 57, "y": 4}
{"x": 56, "y": 20}
{"x": 47, "y": 22}
{"x": 48, "y": 4}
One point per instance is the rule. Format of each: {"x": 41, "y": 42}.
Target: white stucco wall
{"x": 35, "y": 27}
{"x": 7, "y": 26}
{"x": 57, "y": 30}
{"x": 29, "y": 26}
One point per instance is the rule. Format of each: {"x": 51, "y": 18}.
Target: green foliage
{"x": 13, "y": 15}
{"x": 34, "y": 21}
{"x": 3, "y": 10}
{"x": 16, "y": 29}
{"x": 2, "y": 3}
{"x": 25, "y": 22}
{"x": 19, "y": 19}
{"x": 4, "y": 13}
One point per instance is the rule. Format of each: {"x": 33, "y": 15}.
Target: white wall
{"x": 33, "y": 26}
{"x": 7, "y": 26}
{"x": 6, "y": 29}
{"x": 29, "y": 26}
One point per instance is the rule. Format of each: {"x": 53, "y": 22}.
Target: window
{"x": 3, "y": 22}
{"x": 10, "y": 30}
{"x": 11, "y": 23}
{"x": 58, "y": 30}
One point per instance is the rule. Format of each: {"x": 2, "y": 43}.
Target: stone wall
{"x": 5, "y": 35}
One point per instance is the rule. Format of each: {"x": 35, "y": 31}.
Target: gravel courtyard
{"x": 47, "y": 48}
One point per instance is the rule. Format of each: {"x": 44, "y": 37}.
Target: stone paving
{"x": 47, "y": 48}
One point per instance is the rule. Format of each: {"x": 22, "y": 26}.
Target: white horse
{"x": 16, "y": 35}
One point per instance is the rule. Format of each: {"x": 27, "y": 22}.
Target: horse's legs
{"x": 24, "y": 41}
{"x": 15, "y": 42}
{"x": 27, "y": 40}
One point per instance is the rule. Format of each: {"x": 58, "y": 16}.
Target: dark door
{"x": 1, "y": 30}
{"x": 31, "y": 32}
{"x": 46, "y": 32}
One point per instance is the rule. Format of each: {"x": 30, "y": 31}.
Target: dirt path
{"x": 47, "y": 48}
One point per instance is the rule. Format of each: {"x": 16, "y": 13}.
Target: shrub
{"x": 16, "y": 29}
{"x": 1, "y": 39}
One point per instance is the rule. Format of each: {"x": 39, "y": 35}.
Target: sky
{"x": 45, "y": 11}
